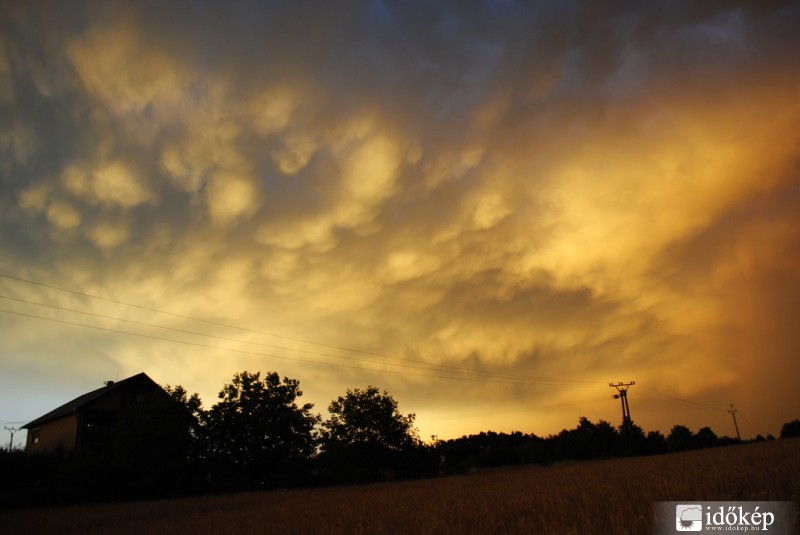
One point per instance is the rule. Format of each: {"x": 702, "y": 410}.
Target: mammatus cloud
{"x": 574, "y": 192}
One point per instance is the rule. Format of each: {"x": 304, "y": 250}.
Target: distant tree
{"x": 368, "y": 417}
{"x": 367, "y": 438}
{"x": 498, "y": 449}
{"x": 257, "y": 434}
{"x": 705, "y": 438}
{"x": 725, "y": 440}
{"x": 575, "y": 443}
{"x": 791, "y": 429}
{"x": 679, "y": 438}
{"x": 489, "y": 449}
{"x": 606, "y": 439}
{"x": 538, "y": 450}
{"x": 588, "y": 440}
{"x": 636, "y": 439}
{"x": 655, "y": 443}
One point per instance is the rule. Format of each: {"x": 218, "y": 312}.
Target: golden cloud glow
{"x": 122, "y": 69}
{"x": 230, "y": 195}
{"x": 63, "y": 215}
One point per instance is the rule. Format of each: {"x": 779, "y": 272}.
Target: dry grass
{"x": 613, "y": 496}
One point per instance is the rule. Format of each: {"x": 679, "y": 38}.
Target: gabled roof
{"x": 76, "y": 404}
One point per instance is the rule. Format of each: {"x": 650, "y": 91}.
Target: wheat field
{"x": 610, "y": 496}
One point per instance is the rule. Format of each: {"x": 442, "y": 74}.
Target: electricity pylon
{"x": 622, "y": 389}
{"x": 733, "y": 413}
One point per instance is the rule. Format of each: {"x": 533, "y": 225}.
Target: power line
{"x": 455, "y": 369}
{"x": 183, "y": 316}
{"x": 433, "y": 367}
{"x": 655, "y": 394}
{"x": 529, "y": 409}
{"x": 269, "y": 355}
{"x": 759, "y": 426}
{"x": 429, "y": 366}
{"x": 435, "y": 371}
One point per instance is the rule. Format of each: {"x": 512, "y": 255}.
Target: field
{"x": 611, "y": 496}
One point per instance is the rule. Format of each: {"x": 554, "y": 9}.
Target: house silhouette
{"x": 91, "y": 419}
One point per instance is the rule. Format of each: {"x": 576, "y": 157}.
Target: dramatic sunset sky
{"x": 489, "y": 209}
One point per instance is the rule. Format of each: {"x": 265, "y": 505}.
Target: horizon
{"x": 20, "y": 442}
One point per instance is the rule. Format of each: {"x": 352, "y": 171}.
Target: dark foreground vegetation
{"x": 594, "y": 497}
{"x": 257, "y": 436}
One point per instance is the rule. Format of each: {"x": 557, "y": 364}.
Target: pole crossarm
{"x": 621, "y": 386}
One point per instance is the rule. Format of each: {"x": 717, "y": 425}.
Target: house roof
{"x": 76, "y": 404}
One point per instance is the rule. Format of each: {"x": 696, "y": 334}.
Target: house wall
{"x": 94, "y": 422}
{"x": 53, "y": 435}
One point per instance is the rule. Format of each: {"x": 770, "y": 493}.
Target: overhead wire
{"x": 749, "y": 424}
{"x": 526, "y": 410}
{"x": 426, "y": 369}
{"x": 438, "y": 375}
{"x": 655, "y": 394}
{"x": 430, "y": 367}
{"x": 434, "y": 370}
{"x": 246, "y": 329}
{"x": 442, "y": 368}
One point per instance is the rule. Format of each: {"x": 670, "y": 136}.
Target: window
{"x": 35, "y": 438}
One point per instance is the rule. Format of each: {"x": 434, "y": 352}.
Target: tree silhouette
{"x": 192, "y": 404}
{"x": 366, "y": 437}
{"x": 680, "y": 438}
{"x": 588, "y": 440}
{"x": 791, "y": 429}
{"x": 655, "y": 443}
{"x": 257, "y": 434}
{"x": 705, "y": 438}
{"x": 197, "y": 455}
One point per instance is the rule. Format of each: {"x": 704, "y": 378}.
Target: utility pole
{"x": 733, "y": 413}
{"x": 11, "y": 430}
{"x": 622, "y": 395}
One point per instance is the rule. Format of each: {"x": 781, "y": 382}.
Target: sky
{"x": 491, "y": 210}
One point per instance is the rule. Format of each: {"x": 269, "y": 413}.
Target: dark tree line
{"x": 259, "y": 435}
{"x": 588, "y": 440}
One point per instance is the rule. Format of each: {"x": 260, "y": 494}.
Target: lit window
{"x": 36, "y": 436}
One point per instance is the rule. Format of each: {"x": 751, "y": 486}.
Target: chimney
{"x": 108, "y": 383}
